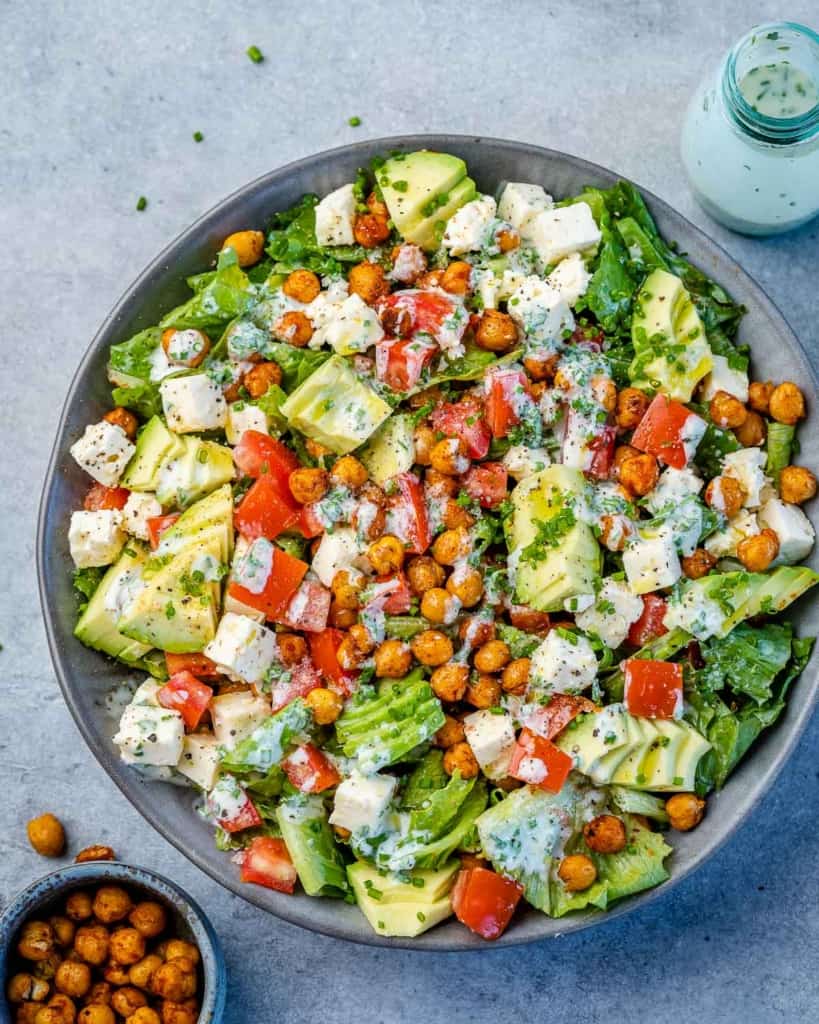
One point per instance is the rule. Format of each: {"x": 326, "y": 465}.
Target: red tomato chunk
{"x": 184, "y": 693}
{"x": 653, "y": 689}
{"x": 539, "y": 763}
{"x": 309, "y": 770}
{"x": 485, "y": 901}
{"x": 266, "y": 862}
{"x": 664, "y": 430}
{"x": 650, "y": 624}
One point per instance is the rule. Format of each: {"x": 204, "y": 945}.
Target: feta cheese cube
{"x": 242, "y": 416}
{"x": 231, "y": 604}
{"x": 138, "y": 509}
{"x": 150, "y": 735}
{"x": 570, "y": 278}
{"x": 521, "y": 461}
{"x": 652, "y": 562}
{"x": 747, "y": 466}
{"x": 199, "y": 760}
{"x": 673, "y": 487}
{"x": 485, "y": 285}
{"x": 541, "y": 311}
{"x": 520, "y": 203}
{"x": 563, "y": 665}
{"x": 723, "y": 543}
{"x": 468, "y": 229}
{"x": 235, "y": 716}
{"x": 193, "y": 403}
{"x": 723, "y": 378}
{"x": 492, "y": 739}
{"x": 146, "y": 693}
{"x": 354, "y": 328}
{"x": 615, "y": 609}
{"x": 792, "y": 527}
{"x": 361, "y": 801}
{"x": 103, "y": 452}
{"x": 693, "y": 431}
{"x": 252, "y": 570}
{"x": 335, "y": 217}
{"x": 95, "y": 538}
{"x": 243, "y": 649}
{"x": 560, "y": 232}
{"x": 336, "y": 551}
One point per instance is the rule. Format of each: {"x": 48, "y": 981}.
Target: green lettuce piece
{"x": 131, "y": 361}
{"x": 143, "y": 399}
{"x": 227, "y": 295}
{"x": 636, "y": 801}
{"x": 404, "y": 627}
{"x": 309, "y": 838}
{"x": 520, "y": 643}
{"x": 641, "y": 249}
{"x": 779, "y": 446}
{"x": 292, "y": 243}
{"x": 716, "y": 443}
{"x": 611, "y": 290}
{"x": 472, "y": 365}
{"x": 747, "y": 660}
{"x": 271, "y": 403}
{"x": 425, "y": 778}
{"x": 296, "y": 364}
{"x": 85, "y": 583}
{"x": 267, "y": 744}
{"x": 441, "y": 807}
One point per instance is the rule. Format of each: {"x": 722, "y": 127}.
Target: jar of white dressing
{"x": 750, "y": 141}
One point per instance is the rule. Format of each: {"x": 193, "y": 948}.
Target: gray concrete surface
{"x": 100, "y": 101}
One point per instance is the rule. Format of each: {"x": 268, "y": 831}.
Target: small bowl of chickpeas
{"x": 108, "y": 943}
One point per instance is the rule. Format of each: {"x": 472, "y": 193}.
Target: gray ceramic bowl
{"x": 86, "y": 677}
{"x": 45, "y": 897}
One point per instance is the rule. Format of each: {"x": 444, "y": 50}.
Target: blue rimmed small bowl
{"x": 188, "y": 921}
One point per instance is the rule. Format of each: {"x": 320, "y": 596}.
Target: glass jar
{"x": 750, "y": 142}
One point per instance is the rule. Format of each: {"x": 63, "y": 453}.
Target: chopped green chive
{"x": 198, "y": 136}
{"x": 142, "y": 202}
{"x": 421, "y": 916}
{"x": 255, "y": 54}
{"x": 354, "y": 121}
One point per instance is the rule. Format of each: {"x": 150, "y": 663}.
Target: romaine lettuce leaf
{"x": 747, "y": 660}
{"x": 292, "y": 242}
{"x": 611, "y": 290}
{"x": 267, "y": 745}
{"x": 296, "y": 364}
{"x": 228, "y": 294}
{"x": 132, "y": 359}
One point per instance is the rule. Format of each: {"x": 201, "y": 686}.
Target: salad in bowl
{"x": 450, "y": 533}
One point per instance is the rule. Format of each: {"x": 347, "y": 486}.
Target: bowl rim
{"x": 760, "y": 784}
{"x": 48, "y": 887}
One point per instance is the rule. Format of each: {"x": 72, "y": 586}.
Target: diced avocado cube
{"x": 391, "y": 450}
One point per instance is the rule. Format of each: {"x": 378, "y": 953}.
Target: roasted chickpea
{"x": 515, "y": 675}
{"x": 757, "y": 553}
{"x": 392, "y": 659}
{"x": 455, "y": 515}
{"x": 507, "y": 239}
{"x": 144, "y": 1015}
{"x": 429, "y": 279}
{"x": 341, "y": 618}
{"x": 455, "y": 279}
{"x": 248, "y": 246}
{"x": 459, "y": 758}
{"x": 115, "y": 974}
{"x": 614, "y": 532}
{"x": 397, "y": 321}
{"x": 60, "y": 1010}
{"x": 79, "y": 906}
{"x": 451, "y": 546}
{"x": 424, "y": 441}
{"x": 541, "y": 368}
{"x": 409, "y": 262}
{"x": 440, "y": 485}
{"x": 27, "y": 1013}
{"x": 631, "y": 407}
{"x": 759, "y": 395}
{"x": 726, "y": 410}
{"x": 37, "y": 941}
{"x": 91, "y": 944}
{"x": 496, "y": 331}
{"x": 308, "y": 484}
{"x": 124, "y": 419}
{"x": 23, "y": 988}
{"x": 640, "y": 474}
{"x": 169, "y": 982}
{"x": 315, "y": 450}
{"x": 369, "y": 520}
{"x": 368, "y": 281}
{"x": 96, "y": 1013}
{"x": 796, "y": 484}
{"x": 63, "y": 930}
{"x": 604, "y": 391}
{"x": 187, "y": 967}
{"x": 492, "y": 657}
{"x": 726, "y": 495}
{"x": 450, "y": 733}
{"x": 577, "y": 872}
{"x": 752, "y": 432}
{"x": 622, "y": 454}
{"x": 142, "y": 971}
{"x": 449, "y": 456}
{"x": 424, "y": 573}
{"x": 92, "y": 853}
{"x": 439, "y": 606}
{"x": 260, "y": 378}
{"x": 112, "y": 904}
{"x": 787, "y": 403}
{"x": 528, "y": 619}
{"x": 432, "y": 647}
{"x": 370, "y": 230}
{"x": 47, "y": 835}
{"x": 127, "y": 946}
{"x": 348, "y": 655}
{"x": 325, "y": 704}
{"x": 449, "y": 682}
{"x": 466, "y": 585}
{"x": 346, "y": 590}
{"x": 386, "y": 555}
{"x": 685, "y": 811}
{"x": 483, "y": 692}
{"x": 127, "y": 1000}
{"x": 476, "y": 630}
{"x": 349, "y": 472}
{"x": 378, "y": 208}
{"x": 292, "y": 649}
{"x": 698, "y": 564}
{"x": 302, "y": 285}
{"x": 73, "y": 979}
{"x": 294, "y": 327}
{"x": 605, "y": 834}
{"x": 100, "y": 992}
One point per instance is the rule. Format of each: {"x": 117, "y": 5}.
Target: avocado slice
{"x": 671, "y": 348}
{"x": 427, "y": 232}
{"x": 416, "y": 186}
{"x": 97, "y": 626}
{"x": 569, "y": 561}
{"x": 312, "y": 846}
{"x": 190, "y": 472}
{"x": 391, "y": 450}
{"x": 642, "y": 734}
{"x": 210, "y": 516}
{"x": 401, "y": 909}
{"x": 596, "y": 736}
{"x": 155, "y": 445}
{"x": 660, "y": 764}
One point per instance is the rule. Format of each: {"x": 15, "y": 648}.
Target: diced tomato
{"x": 283, "y": 580}
{"x": 309, "y": 770}
{"x": 408, "y": 514}
{"x": 486, "y": 483}
{"x": 198, "y": 665}
{"x": 157, "y": 525}
{"x": 267, "y": 509}
{"x": 266, "y": 862}
{"x": 506, "y": 390}
{"x": 246, "y": 816}
{"x": 663, "y": 429}
{"x": 603, "y": 447}
{"x": 549, "y": 720}
{"x": 466, "y": 420}
{"x": 485, "y": 901}
{"x": 431, "y": 312}
{"x": 399, "y": 362}
{"x": 299, "y": 680}
{"x": 308, "y": 608}
{"x": 650, "y": 623}
{"x": 653, "y": 689}
{"x": 539, "y": 762}
{"x": 309, "y": 524}
{"x": 529, "y": 620}
{"x": 184, "y": 693}
{"x": 323, "y": 647}
{"x": 257, "y": 454}
{"x": 102, "y": 497}
{"x": 390, "y": 594}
